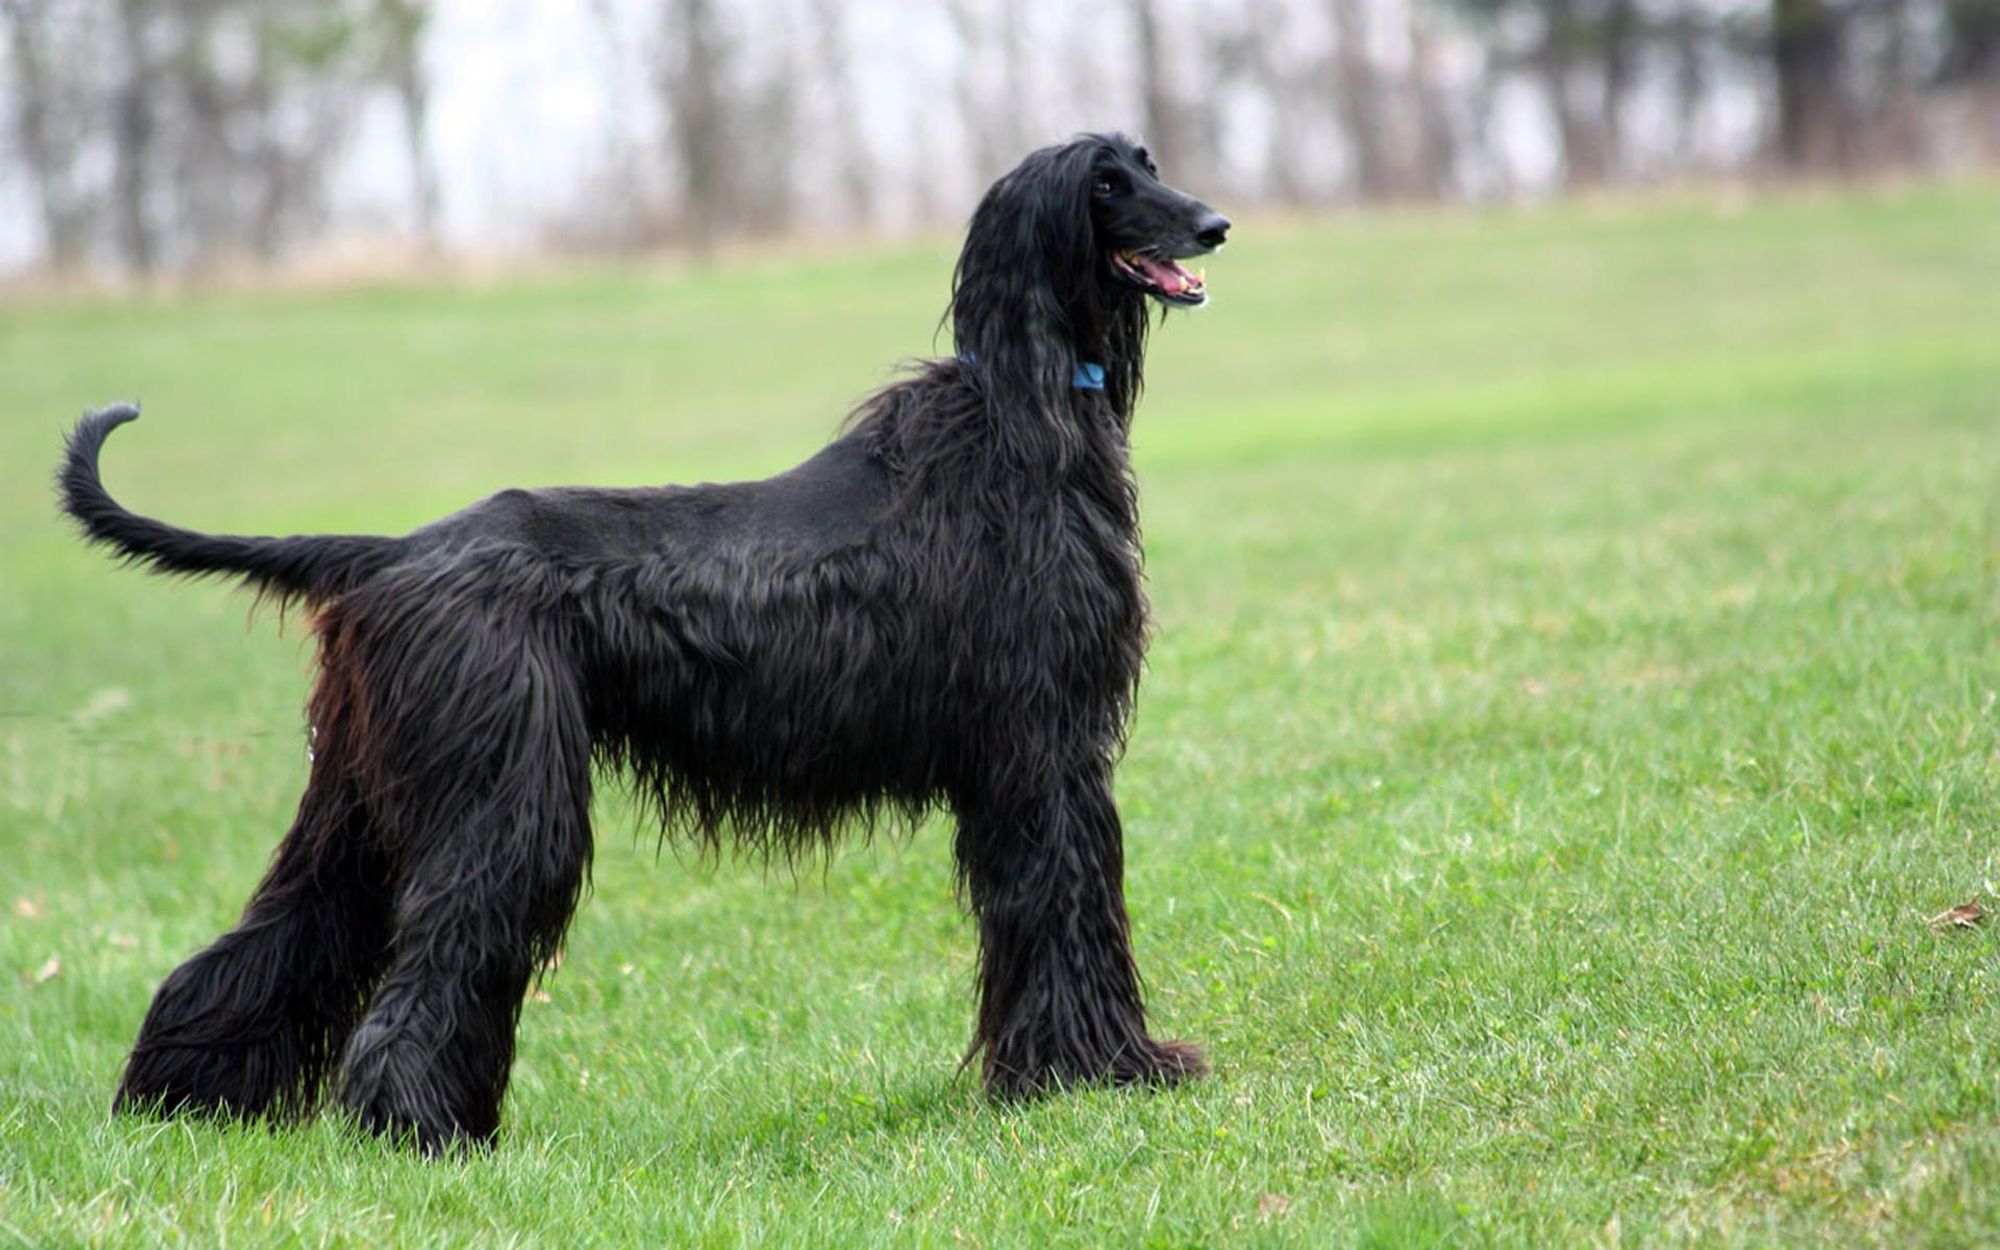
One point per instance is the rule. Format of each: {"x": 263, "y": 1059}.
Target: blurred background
{"x": 183, "y": 137}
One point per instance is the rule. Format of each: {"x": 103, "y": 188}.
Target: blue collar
{"x": 1088, "y": 375}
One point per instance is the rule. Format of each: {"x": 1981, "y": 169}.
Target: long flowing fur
{"x": 943, "y": 609}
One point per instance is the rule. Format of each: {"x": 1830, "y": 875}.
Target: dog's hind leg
{"x": 496, "y": 836}
{"x": 1059, "y": 994}
{"x": 251, "y": 1025}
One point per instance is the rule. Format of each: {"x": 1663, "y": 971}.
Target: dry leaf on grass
{"x": 27, "y": 908}
{"x": 47, "y": 972}
{"x": 1963, "y": 916}
{"x": 1271, "y": 1206}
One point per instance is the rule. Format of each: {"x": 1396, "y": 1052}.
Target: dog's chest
{"x": 1101, "y": 554}
{"x": 1071, "y": 585}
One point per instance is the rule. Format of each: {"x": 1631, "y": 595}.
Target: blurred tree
{"x": 732, "y": 119}
{"x": 132, "y": 138}
{"x": 1805, "y": 50}
{"x": 1972, "y": 66}
{"x": 47, "y": 120}
{"x": 1252, "y": 57}
{"x": 761, "y": 131}
{"x": 1431, "y": 102}
{"x": 253, "y": 97}
{"x": 178, "y": 133}
{"x": 1973, "y": 34}
{"x": 1690, "y": 40}
{"x": 691, "y": 84}
{"x": 1617, "y": 34}
{"x": 397, "y": 27}
{"x": 1165, "y": 122}
{"x": 1583, "y": 53}
{"x": 1361, "y": 103}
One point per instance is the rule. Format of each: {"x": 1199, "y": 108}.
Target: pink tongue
{"x": 1169, "y": 276}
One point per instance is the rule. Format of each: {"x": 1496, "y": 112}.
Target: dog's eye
{"x": 1103, "y": 188}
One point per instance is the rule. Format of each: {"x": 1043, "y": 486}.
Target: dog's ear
{"x": 1064, "y": 233}
{"x": 1030, "y": 255}
{"x": 1027, "y": 291}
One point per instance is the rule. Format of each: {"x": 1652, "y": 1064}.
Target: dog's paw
{"x": 426, "y": 1135}
{"x": 1145, "y": 1063}
{"x": 1167, "y": 1063}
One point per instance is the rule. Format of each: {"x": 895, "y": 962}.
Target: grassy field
{"x": 1575, "y": 682}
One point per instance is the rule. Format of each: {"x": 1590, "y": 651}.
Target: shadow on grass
{"x": 834, "y": 1119}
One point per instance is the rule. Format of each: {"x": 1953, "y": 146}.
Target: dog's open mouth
{"x": 1163, "y": 279}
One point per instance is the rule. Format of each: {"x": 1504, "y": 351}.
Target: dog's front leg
{"x": 1059, "y": 994}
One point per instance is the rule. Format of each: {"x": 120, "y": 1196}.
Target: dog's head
{"x": 1087, "y": 229}
{"x": 1144, "y": 228}
{"x": 1061, "y": 256}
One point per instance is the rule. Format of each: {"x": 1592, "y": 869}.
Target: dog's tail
{"x": 310, "y": 567}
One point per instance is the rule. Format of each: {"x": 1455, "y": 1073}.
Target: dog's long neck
{"x": 1030, "y": 302}
{"x": 1024, "y": 342}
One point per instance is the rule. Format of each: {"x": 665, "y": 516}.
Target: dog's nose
{"x": 1212, "y": 230}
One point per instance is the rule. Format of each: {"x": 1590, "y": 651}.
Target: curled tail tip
{"x": 109, "y": 418}
{"x": 289, "y": 568}
{"x": 89, "y": 433}
{"x": 77, "y": 485}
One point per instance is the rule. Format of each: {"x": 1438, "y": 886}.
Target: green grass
{"x": 1575, "y": 681}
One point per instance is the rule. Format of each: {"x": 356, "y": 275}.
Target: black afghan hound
{"x": 942, "y": 609}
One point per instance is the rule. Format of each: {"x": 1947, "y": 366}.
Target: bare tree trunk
{"x": 1972, "y": 62}
{"x": 1617, "y": 55}
{"x": 1013, "y": 68}
{"x": 404, "y": 22}
{"x": 1899, "y": 138}
{"x": 1163, "y": 115}
{"x": 1578, "y": 125}
{"x": 760, "y": 131}
{"x": 49, "y": 157}
{"x": 271, "y": 168}
{"x": 1483, "y": 141}
{"x": 1973, "y": 32}
{"x": 927, "y": 201}
{"x": 1358, "y": 99}
{"x": 1437, "y": 138}
{"x": 216, "y": 195}
{"x": 1805, "y": 59}
{"x": 1691, "y": 86}
{"x": 133, "y": 142}
{"x": 694, "y": 101}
